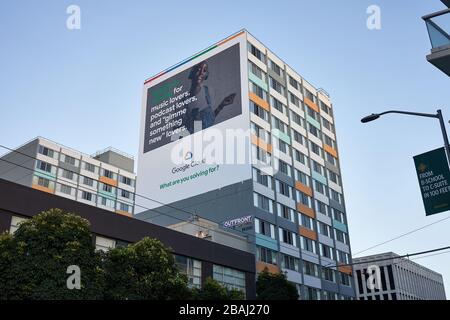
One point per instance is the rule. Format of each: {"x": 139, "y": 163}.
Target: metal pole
{"x": 444, "y": 133}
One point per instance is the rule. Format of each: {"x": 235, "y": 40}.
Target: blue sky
{"x": 82, "y": 88}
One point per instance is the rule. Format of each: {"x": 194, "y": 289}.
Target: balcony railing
{"x": 438, "y": 25}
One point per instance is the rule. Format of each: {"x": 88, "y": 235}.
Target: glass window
{"x": 15, "y": 223}
{"x": 326, "y": 251}
{"x": 44, "y": 166}
{"x": 68, "y": 159}
{"x": 262, "y": 202}
{"x": 302, "y": 177}
{"x": 317, "y": 167}
{"x": 308, "y": 244}
{"x": 297, "y": 119}
{"x": 324, "y": 229}
{"x": 334, "y": 177}
{"x": 287, "y": 237}
{"x": 260, "y": 112}
{"x": 106, "y": 202}
{"x": 278, "y": 87}
{"x": 294, "y": 83}
{"x": 321, "y": 207}
{"x": 126, "y": 180}
{"x": 46, "y": 151}
{"x": 306, "y": 221}
{"x": 266, "y": 255}
{"x": 65, "y": 189}
{"x": 311, "y": 269}
{"x": 276, "y": 68}
{"x": 90, "y": 167}
{"x": 253, "y": 68}
{"x": 320, "y": 187}
{"x": 280, "y": 125}
{"x": 316, "y": 149}
{"x": 285, "y": 212}
{"x": 278, "y": 105}
{"x": 314, "y": 131}
{"x": 328, "y": 274}
{"x": 257, "y": 90}
{"x": 261, "y": 155}
{"x": 262, "y": 178}
{"x": 260, "y": 132}
{"x": 303, "y": 198}
{"x": 108, "y": 174}
{"x": 230, "y": 278}
{"x": 308, "y": 94}
{"x": 104, "y": 244}
{"x": 88, "y": 181}
{"x": 289, "y": 262}
{"x": 87, "y": 196}
{"x": 283, "y": 188}
{"x": 191, "y": 268}
{"x": 265, "y": 228}
{"x": 283, "y": 167}
{"x": 257, "y": 53}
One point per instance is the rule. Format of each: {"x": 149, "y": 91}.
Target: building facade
{"x": 396, "y": 279}
{"x": 299, "y": 223}
{"x": 105, "y": 180}
{"x": 231, "y": 267}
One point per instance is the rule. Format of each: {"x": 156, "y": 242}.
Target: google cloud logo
{"x": 188, "y": 155}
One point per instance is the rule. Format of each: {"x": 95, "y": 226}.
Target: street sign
{"x": 434, "y": 179}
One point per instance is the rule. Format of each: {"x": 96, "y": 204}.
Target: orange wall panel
{"x": 124, "y": 213}
{"x": 305, "y": 210}
{"x": 330, "y": 150}
{"x": 260, "y": 143}
{"x": 311, "y": 104}
{"x": 345, "y": 269}
{"x": 260, "y": 102}
{"x": 42, "y": 188}
{"x": 305, "y": 189}
{"x": 260, "y": 266}
{"x": 107, "y": 180}
{"x": 308, "y": 233}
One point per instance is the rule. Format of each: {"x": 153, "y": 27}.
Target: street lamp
{"x": 438, "y": 115}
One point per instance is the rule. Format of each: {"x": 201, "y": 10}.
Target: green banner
{"x": 434, "y": 179}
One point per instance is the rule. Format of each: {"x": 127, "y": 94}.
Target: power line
{"x": 402, "y": 235}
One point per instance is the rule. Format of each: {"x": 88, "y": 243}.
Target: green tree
{"x": 144, "y": 270}
{"x": 213, "y": 290}
{"x": 39, "y": 253}
{"x": 275, "y": 286}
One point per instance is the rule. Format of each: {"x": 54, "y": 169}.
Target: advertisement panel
{"x": 194, "y": 133}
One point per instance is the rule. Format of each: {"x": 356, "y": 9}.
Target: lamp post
{"x": 438, "y": 116}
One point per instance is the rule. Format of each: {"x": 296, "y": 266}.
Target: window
{"x": 87, "y": 196}
{"x": 341, "y": 236}
{"x": 294, "y": 100}
{"x": 280, "y": 125}
{"x": 263, "y": 202}
{"x": 253, "y": 68}
{"x": 334, "y": 177}
{"x": 106, "y": 187}
{"x": 329, "y": 141}
{"x": 44, "y": 166}
{"x": 257, "y": 53}
{"x": 326, "y": 251}
{"x": 324, "y": 229}
{"x": 327, "y": 124}
{"x": 104, "y": 244}
{"x": 68, "y": 159}
{"x": 300, "y": 157}
{"x": 261, "y": 155}
{"x": 321, "y": 207}
{"x": 328, "y": 274}
{"x": 338, "y": 215}
{"x": 124, "y": 207}
{"x": 336, "y": 196}
{"x": 46, "y": 151}
{"x": 285, "y": 212}
{"x": 289, "y": 262}
{"x": 106, "y": 202}
{"x": 283, "y": 167}
{"x": 311, "y": 269}
{"x": 90, "y": 167}
{"x": 265, "y": 228}
{"x": 302, "y": 177}
{"x": 260, "y": 132}
{"x": 65, "y": 189}
{"x": 284, "y": 147}
{"x": 125, "y": 194}
{"x": 324, "y": 107}
{"x": 316, "y": 149}
{"x": 330, "y": 158}
{"x": 278, "y": 87}
{"x": 266, "y": 255}
{"x": 298, "y": 137}
{"x": 67, "y": 174}
{"x": 16, "y": 221}
{"x": 257, "y": 90}
{"x": 191, "y": 268}
{"x": 297, "y": 119}
{"x": 306, "y": 221}
{"x": 230, "y": 278}
{"x": 313, "y": 114}
{"x": 283, "y": 188}
{"x": 317, "y": 167}
{"x": 260, "y": 112}
{"x": 344, "y": 279}
{"x": 126, "y": 180}
{"x": 275, "y": 68}
{"x": 287, "y": 237}
{"x": 320, "y": 187}
{"x": 343, "y": 257}
{"x": 314, "y": 131}
{"x": 309, "y": 95}
{"x": 278, "y": 105}
{"x": 108, "y": 174}
{"x": 88, "y": 181}
{"x": 43, "y": 182}
{"x": 294, "y": 83}
{"x": 308, "y": 244}
{"x": 303, "y": 198}
{"x": 312, "y": 293}
{"x": 262, "y": 178}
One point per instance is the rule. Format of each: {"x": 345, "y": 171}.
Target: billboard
{"x": 187, "y": 116}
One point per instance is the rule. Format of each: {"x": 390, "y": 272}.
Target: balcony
{"x": 438, "y": 25}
